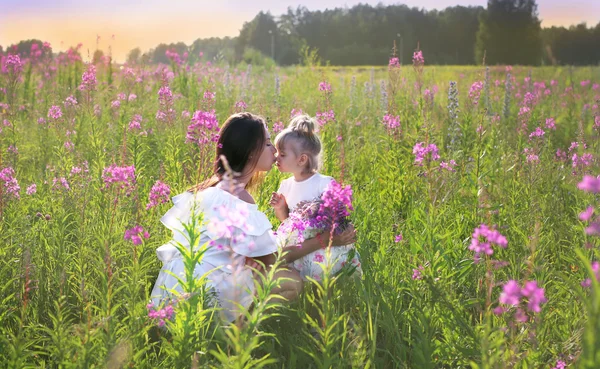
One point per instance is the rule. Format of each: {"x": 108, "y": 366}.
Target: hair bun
{"x": 303, "y": 124}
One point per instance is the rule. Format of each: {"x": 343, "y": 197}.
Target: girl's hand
{"x": 278, "y": 201}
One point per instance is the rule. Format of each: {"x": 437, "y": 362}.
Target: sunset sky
{"x": 147, "y": 23}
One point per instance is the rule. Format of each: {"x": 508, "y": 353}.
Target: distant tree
{"x": 509, "y": 33}
{"x": 133, "y": 57}
{"x": 98, "y": 56}
{"x": 261, "y": 33}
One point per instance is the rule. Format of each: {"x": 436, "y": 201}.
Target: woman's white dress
{"x": 247, "y": 233}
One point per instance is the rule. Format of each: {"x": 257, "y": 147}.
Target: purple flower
{"x": 325, "y": 87}
{"x": 448, "y": 166}
{"x": 550, "y": 123}
{"x": 586, "y": 214}
{"x": 12, "y": 64}
{"x": 135, "y": 123}
{"x": 537, "y": 133}
{"x": 511, "y": 293}
{"x": 159, "y": 194}
{"x": 325, "y": 117}
{"x": 135, "y": 235}
{"x": 70, "y": 101}
{"x": 54, "y": 112}
{"x": 122, "y": 177}
{"x": 560, "y": 365}
{"x": 296, "y": 112}
{"x": 31, "y": 190}
{"x": 475, "y": 92}
{"x": 209, "y": 96}
{"x": 160, "y": 315}
{"x": 531, "y": 156}
{"x": 277, "y": 127}
{"x": 11, "y": 185}
{"x": 60, "y": 183}
{"x": 420, "y": 151}
{"x": 417, "y": 273}
{"x": 241, "y": 105}
{"x": 418, "y": 59}
{"x": 88, "y": 79}
{"x": 535, "y": 296}
{"x": 394, "y": 62}
{"x": 398, "y": 238}
{"x": 590, "y": 184}
{"x": 203, "y": 129}
{"x": 483, "y": 238}
{"x": 392, "y": 122}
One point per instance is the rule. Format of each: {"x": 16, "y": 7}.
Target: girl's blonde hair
{"x": 302, "y": 131}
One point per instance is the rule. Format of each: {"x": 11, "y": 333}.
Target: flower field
{"x": 475, "y": 196}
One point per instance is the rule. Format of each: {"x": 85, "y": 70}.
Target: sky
{"x": 125, "y": 24}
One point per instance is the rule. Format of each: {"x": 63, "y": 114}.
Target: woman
{"x": 237, "y": 233}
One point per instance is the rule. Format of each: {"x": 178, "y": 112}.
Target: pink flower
{"x": 11, "y": 185}
{"x": 325, "y": 87}
{"x": 122, "y": 177}
{"x": 475, "y": 92}
{"x": 550, "y": 123}
{"x": 60, "y": 183}
{"x": 537, "y": 133}
{"x": 394, "y": 62}
{"x": 511, "y": 293}
{"x": 535, "y": 296}
{"x": 392, "y": 122}
{"x": 159, "y": 194}
{"x": 31, "y": 190}
{"x": 325, "y": 117}
{"x": 398, "y": 238}
{"x": 483, "y": 238}
{"x": 421, "y": 151}
{"x": 54, "y": 112}
{"x": 136, "y": 234}
{"x": 586, "y": 214}
{"x": 203, "y": 129}
{"x": 319, "y": 258}
{"x": 277, "y": 127}
{"x": 88, "y": 79}
{"x": 418, "y": 59}
{"x": 590, "y": 184}
{"x": 448, "y": 166}
{"x": 417, "y": 273}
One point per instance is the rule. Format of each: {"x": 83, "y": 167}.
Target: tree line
{"x": 505, "y": 32}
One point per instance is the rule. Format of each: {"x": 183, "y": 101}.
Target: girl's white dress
{"x": 313, "y": 264}
{"x": 231, "y": 281}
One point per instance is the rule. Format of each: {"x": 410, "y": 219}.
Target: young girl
{"x": 299, "y": 150}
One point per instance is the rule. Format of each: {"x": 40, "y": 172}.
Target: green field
{"x": 74, "y": 292}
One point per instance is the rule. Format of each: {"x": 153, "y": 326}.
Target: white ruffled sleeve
{"x": 232, "y": 222}
{"x": 227, "y": 222}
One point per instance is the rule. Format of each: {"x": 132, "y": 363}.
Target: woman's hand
{"x": 345, "y": 238}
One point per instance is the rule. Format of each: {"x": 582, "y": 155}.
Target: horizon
{"x": 122, "y": 27}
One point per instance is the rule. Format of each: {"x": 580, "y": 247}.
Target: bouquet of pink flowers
{"x": 330, "y": 213}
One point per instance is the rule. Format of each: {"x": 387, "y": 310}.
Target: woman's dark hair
{"x": 241, "y": 141}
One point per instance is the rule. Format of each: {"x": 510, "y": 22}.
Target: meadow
{"x": 477, "y": 228}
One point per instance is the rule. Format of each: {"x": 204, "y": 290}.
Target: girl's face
{"x": 267, "y": 156}
{"x": 287, "y": 160}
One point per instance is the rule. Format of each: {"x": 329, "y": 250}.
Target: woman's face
{"x": 267, "y": 156}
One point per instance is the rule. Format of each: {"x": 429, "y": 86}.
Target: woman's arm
{"x": 293, "y": 253}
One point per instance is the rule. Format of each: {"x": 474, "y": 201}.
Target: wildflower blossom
{"x": 136, "y": 234}
{"x": 31, "y": 190}
{"x": 11, "y": 185}
{"x": 54, "y": 112}
{"x": 483, "y": 238}
{"x": 421, "y": 151}
{"x": 203, "y": 129}
{"x": 159, "y": 194}
{"x": 475, "y": 92}
{"x": 121, "y": 177}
